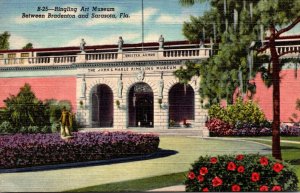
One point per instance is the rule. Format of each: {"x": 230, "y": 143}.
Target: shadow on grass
{"x": 289, "y": 147}
{"x": 295, "y": 161}
{"x": 159, "y": 154}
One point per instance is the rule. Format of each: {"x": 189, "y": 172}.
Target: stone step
{"x": 173, "y": 132}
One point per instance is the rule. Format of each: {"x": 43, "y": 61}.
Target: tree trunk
{"x": 276, "y": 149}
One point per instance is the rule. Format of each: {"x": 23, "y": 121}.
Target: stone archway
{"x": 102, "y": 106}
{"x": 140, "y": 103}
{"x": 181, "y": 105}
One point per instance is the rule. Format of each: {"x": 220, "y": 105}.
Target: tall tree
{"x": 28, "y": 46}
{"x": 235, "y": 24}
{"x": 4, "y": 41}
{"x": 25, "y": 109}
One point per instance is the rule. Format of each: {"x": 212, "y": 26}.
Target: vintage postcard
{"x": 140, "y": 95}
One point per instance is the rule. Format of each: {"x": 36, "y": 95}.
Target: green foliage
{"x": 6, "y": 127}
{"x": 242, "y": 173}
{"x": 238, "y": 113}
{"x": 54, "y": 108}
{"x": 4, "y": 43}
{"x": 233, "y": 45}
{"x": 25, "y": 109}
{"x": 28, "y": 46}
{"x": 24, "y": 113}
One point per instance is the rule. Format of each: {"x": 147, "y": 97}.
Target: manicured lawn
{"x": 138, "y": 185}
{"x": 282, "y": 138}
{"x": 161, "y": 169}
{"x": 291, "y": 153}
{"x": 270, "y": 138}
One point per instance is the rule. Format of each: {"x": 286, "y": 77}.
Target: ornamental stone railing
{"x": 124, "y": 56}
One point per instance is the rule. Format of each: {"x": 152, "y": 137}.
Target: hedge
{"x": 219, "y": 128}
{"x": 22, "y": 150}
{"x": 240, "y": 173}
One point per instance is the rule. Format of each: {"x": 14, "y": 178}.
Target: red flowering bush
{"x": 218, "y": 127}
{"x": 22, "y": 150}
{"x": 240, "y": 173}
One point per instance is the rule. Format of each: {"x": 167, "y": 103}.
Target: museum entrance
{"x": 102, "y": 106}
{"x": 181, "y": 105}
{"x": 140, "y": 111}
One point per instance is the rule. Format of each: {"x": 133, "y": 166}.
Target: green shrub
{"x": 55, "y": 127}
{"x": 238, "y": 113}
{"x": 25, "y": 109}
{"x": 6, "y": 127}
{"x": 244, "y": 173}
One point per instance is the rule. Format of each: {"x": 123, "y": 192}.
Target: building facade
{"x": 124, "y": 86}
{"x": 113, "y": 86}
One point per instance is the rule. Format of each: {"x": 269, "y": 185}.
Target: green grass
{"x": 282, "y": 138}
{"x": 269, "y": 137}
{"x": 137, "y": 185}
{"x": 290, "y": 153}
{"x": 188, "y": 150}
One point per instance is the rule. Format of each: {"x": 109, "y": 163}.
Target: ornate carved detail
{"x": 140, "y": 75}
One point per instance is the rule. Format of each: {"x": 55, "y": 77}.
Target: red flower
{"x": 191, "y": 175}
{"x": 205, "y": 190}
{"x": 235, "y": 188}
{"x": 200, "y": 178}
{"x": 213, "y": 160}
{"x": 264, "y": 161}
{"x": 239, "y": 157}
{"x": 264, "y": 189}
{"x": 231, "y": 166}
{"x": 276, "y": 188}
{"x": 241, "y": 169}
{"x": 217, "y": 182}
{"x": 203, "y": 171}
{"x": 255, "y": 177}
{"x": 277, "y": 167}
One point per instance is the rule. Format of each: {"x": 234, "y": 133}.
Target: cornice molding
{"x": 99, "y": 65}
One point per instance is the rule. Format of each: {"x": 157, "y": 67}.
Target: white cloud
{"x": 152, "y": 37}
{"x": 135, "y": 18}
{"x": 18, "y": 42}
{"x": 111, "y": 39}
{"x": 172, "y": 19}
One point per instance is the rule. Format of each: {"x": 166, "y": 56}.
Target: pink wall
{"x": 289, "y": 92}
{"x": 60, "y": 88}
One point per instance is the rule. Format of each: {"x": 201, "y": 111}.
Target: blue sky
{"x": 161, "y": 17}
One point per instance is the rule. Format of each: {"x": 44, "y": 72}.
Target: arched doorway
{"x": 140, "y": 103}
{"x": 181, "y": 105}
{"x": 102, "y": 106}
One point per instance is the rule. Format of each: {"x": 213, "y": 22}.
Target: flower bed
{"x": 220, "y": 128}
{"x": 241, "y": 173}
{"x": 22, "y": 150}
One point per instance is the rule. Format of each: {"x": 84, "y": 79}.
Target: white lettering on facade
{"x": 132, "y": 69}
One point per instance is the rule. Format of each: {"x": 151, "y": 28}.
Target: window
{"x": 24, "y": 55}
{"x": 11, "y": 59}
{"x": 11, "y": 56}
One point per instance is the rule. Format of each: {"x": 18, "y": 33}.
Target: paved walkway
{"x": 180, "y": 153}
{"x": 178, "y": 188}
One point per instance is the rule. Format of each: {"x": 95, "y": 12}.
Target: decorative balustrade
{"x": 101, "y": 56}
{"x": 197, "y": 53}
{"x": 39, "y": 61}
{"x": 167, "y": 54}
{"x": 187, "y": 53}
{"x": 294, "y": 49}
